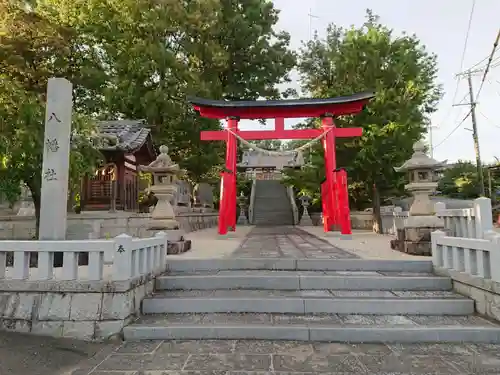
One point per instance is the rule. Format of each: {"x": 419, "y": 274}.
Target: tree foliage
{"x": 402, "y": 74}
{"x": 135, "y": 59}
{"x": 461, "y": 181}
{"x": 149, "y": 55}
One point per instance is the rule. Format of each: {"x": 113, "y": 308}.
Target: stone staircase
{"x": 340, "y": 300}
{"x": 272, "y": 206}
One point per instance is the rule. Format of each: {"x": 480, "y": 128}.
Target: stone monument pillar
{"x": 55, "y": 172}
{"x": 415, "y": 236}
{"x": 165, "y": 175}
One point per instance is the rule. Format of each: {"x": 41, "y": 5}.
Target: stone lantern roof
{"x": 420, "y": 160}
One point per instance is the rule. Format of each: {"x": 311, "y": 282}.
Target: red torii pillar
{"x": 335, "y": 201}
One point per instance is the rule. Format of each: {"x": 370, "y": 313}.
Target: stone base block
{"x": 75, "y": 309}
{"x": 414, "y": 240}
{"x": 418, "y": 248}
{"x": 178, "y": 247}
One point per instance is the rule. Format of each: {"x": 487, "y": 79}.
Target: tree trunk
{"x": 35, "y": 195}
{"x": 377, "y": 217}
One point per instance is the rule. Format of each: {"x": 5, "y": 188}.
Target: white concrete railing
{"x": 399, "y": 216}
{"x": 295, "y": 210}
{"x": 467, "y": 222}
{"x": 130, "y": 258}
{"x": 462, "y": 222}
{"x": 474, "y": 256}
{"x": 252, "y": 202}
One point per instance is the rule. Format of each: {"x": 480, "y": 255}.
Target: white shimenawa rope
{"x": 280, "y": 153}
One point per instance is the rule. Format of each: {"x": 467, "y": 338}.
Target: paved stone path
{"x": 295, "y": 358}
{"x": 287, "y": 242}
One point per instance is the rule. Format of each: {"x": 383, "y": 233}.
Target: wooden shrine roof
{"x": 288, "y": 108}
{"x": 131, "y": 134}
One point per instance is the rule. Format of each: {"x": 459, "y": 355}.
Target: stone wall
{"x": 485, "y": 292}
{"x": 361, "y": 220}
{"x": 103, "y": 224}
{"x": 77, "y": 309}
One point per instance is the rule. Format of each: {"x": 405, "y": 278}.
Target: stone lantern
{"x": 415, "y": 236}
{"x": 165, "y": 175}
{"x": 305, "y": 220}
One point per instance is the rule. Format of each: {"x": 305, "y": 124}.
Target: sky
{"x": 441, "y": 25}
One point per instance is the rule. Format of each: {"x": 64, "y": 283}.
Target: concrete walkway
{"x": 295, "y": 242}
{"x": 287, "y": 242}
{"x": 365, "y": 244}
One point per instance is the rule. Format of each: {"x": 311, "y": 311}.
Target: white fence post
{"x": 122, "y": 260}
{"x": 483, "y": 216}
{"x": 494, "y": 255}
{"x": 161, "y": 257}
{"x": 438, "y": 207}
{"x": 437, "y": 251}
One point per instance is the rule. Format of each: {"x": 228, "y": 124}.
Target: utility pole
{"x": 475, "y": 137}
{"x": 431, "y": 143}
{"x": 311, "y": 16}
{"x": 474, "y": 134}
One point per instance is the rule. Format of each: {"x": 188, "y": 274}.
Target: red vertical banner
{"x": 330, "y": 164}
{"x": 335, "y": 220}
{"x": 223, "y": 203}
{"x": 325, "y": 206}
{"x": 232, "y": 125}
{"x": 344, "y": 203}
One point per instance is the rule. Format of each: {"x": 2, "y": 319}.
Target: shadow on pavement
{"x": 22, "y": 354}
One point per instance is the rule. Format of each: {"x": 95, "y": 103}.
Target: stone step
{"x": 304, "y": 280}
{"x": 296, "y": 264}
{"x": 321, "y": 293}
{"x": 242, "y": 301}
{"x": 272, "y": 216}
{"x": 266, "y": 221}
{"x": 332, "y": 328}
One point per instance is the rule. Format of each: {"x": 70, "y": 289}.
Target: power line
{"x": 495, "y": 45}
{"x": 467, "y": 34}
{"x": 454, "y": 130}
{"x": 488, "y": 119}
{"x": 456, "y": 119}
{"x": 464, "y": 51}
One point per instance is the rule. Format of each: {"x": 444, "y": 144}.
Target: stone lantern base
{"x": 415, "y": 237}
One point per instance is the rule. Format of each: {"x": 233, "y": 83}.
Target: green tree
{"x": 32, "y": 49}
{"x": 402, "y": 74}
{"x": 154, "y": 54}
{"x": 461, "y": 181}
{"x": 22, "y": 141}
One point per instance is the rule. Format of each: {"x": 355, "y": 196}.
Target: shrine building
{"x": 126, "y": 145}
{"x": 260, "y": 166}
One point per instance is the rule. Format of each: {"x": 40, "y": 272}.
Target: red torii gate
{"x": 334, "y": 189}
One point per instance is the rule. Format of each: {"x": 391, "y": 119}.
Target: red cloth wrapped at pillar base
{"x": 336, "y": 213}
